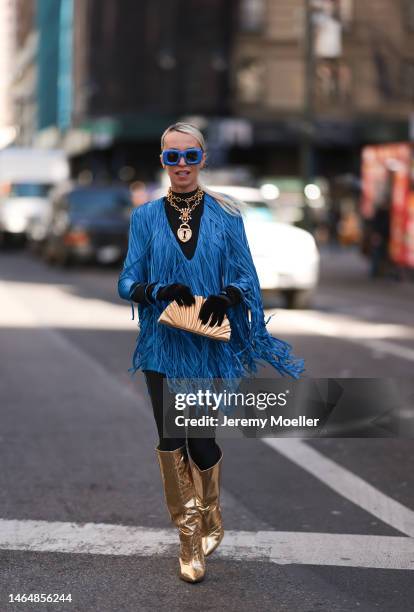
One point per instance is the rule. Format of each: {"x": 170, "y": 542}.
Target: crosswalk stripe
{"x": 346, "y": 483}
{"x": 280, "y": 547}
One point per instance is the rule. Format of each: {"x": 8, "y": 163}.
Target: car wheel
{"x": 297, "y": 298}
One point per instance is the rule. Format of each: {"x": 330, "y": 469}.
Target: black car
{"x": 88, "y": 224}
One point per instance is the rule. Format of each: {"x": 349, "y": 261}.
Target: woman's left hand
{"x": 217, "y": 306}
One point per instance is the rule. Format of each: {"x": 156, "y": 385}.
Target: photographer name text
{"x": 278, "y": 421}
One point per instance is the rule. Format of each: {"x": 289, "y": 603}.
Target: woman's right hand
{"x": 180, "y": 293}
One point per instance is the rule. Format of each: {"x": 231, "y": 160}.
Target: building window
{"x": 407, "y": 81}
{"x": 249, "y": 80}
{"x": 252, "y": 15}
{"x": 341, "y": 10}
{"x": 333, "y": 83}
{"x": 408, "y": 14}
{"x": 346, "y": 12}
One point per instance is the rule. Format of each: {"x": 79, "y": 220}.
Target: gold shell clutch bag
{"x": 186, "y": 317}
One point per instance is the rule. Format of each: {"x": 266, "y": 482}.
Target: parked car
{"x": 286, "y": 257}
{"x": 26, "y": 176}
{"x": 25, "y": 203}
{"x": 88, "y": 223}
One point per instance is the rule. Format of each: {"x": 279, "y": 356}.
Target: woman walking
{"x": 193, "y": 242}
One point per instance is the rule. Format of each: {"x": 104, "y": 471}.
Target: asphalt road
{"x": 311, "y": 525}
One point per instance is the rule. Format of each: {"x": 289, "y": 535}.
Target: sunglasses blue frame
{"x": 171, "y": 157}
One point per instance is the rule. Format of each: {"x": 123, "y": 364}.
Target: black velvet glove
{"x": 215, "y": 305}
{"x": 141, "y": 293}
{"x": 180, "y": 293}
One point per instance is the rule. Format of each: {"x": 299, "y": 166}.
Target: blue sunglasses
{"x": 171, "y": 157}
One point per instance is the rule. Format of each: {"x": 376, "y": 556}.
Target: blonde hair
{"x": 230, "y": 204}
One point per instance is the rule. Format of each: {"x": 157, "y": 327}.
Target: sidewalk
{"x": 346, "y": 265}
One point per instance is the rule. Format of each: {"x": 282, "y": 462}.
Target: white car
{"x": 26, "y": 204}
{"x": 286, "y": 257}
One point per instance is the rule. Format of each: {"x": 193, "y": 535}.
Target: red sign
{"x": 386, "y": 177}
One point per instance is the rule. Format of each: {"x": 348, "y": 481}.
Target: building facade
{"x": 138, "y": 68}
{"x": 7, "y": 50}
{"x": 357, "y": 88}
{"x": 264, "y": 77}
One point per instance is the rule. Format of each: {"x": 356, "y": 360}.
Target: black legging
{"x": 204, "y": 451}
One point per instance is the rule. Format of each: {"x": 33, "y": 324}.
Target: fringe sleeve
{"x": 256, "y": 344}
{"x": 135, "y": 268}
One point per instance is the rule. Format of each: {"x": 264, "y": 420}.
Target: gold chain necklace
{"x": 184, "y": 232}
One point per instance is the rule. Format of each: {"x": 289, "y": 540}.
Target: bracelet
{"x": 150, "y": 287}
{"x": 224, "y": 292}
{"x": 233, "y": 294}
{"x": 226, "y": 295}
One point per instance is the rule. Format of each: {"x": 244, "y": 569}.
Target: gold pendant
{"x": 184, "y": 232}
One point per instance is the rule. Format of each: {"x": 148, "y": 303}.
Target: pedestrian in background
{"x": 139, "y": 194}
{"x": 380, "y": 229}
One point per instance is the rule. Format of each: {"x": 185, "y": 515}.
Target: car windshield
{"x": 29, "y": 190}
{"x": 259, "y": 210}
{"x": 98, "y": 202}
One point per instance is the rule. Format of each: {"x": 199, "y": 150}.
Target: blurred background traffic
{"x": 307, "y": 106}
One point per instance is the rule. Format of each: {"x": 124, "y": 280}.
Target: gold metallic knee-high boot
{"x": 182, "y": 507}
{"x": 207, "y": 488}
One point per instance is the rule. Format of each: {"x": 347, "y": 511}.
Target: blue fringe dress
{"x": 222, "y": 257}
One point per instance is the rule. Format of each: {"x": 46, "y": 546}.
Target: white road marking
{"x": 59, "y": 306}
{"x": 345, "y": 327}
{"x": 347, "y": 484}
{"x": 385, "y": 346}
{"x": 20, "y": 312}
{"x": 281, "y": 547}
